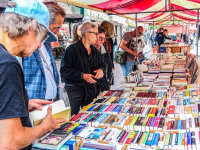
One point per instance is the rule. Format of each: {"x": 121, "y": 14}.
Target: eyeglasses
{"x": 140, "y": 33}
{"x": 102, "y": 38}
{"x": 46, "y": 36}
{"x": 96, "y": 33}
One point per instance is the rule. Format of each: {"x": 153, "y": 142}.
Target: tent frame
{"x": 156, "y": 21}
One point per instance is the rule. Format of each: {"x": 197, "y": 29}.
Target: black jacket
{"x": 106, "y": 80}
{"x": 73, "y": 64}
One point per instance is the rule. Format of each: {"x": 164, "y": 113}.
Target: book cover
{"x": 55, "y": 139}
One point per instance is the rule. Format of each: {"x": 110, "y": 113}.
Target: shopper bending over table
{"x": 21, "y": 32}
{"x": 128, "y": 44}
{"x": 81, "y": 67}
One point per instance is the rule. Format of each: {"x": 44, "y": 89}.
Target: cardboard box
{"x": 59, "y": 111}
{"x": 176, "y": 49}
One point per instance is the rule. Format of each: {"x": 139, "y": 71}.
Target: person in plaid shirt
{"x": 39, "y": 81}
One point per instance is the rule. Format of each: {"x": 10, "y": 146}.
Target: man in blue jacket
{"x": 41, "y": 75}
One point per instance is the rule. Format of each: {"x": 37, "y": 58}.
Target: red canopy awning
{"x": 138, "y": 6}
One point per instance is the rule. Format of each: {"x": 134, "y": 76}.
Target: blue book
{"x": 149, "y": 140}
{"x": 78, "y": 129}
{"x": 114, "y": 110}
{"x": 101, "y": 117}
{"x": 184, "y": 94}
{"x": 178, "y": 102}
{"x": 187, "y": 101}
{"x": 179, "y": 139}
{"x": 119, "y": 108}
{"x": 153, "y": 139}
{"x": 160, "y": 94}
{"x": 189, "y": 138}
{"x": 155, "y": 143}
{"x": 91, "y": 108}
{"x": 98, "y": 134}
{"x": 97, "y": 118}
{"x": 71, "y": 144}
{"x": 103, "y": 108}
{"x": 135, "y": 101}
{"x": 91, "y": 135}
{"x": 122, "y": 101}
{"x": 184, "y": 102}
{"x": 179, "y": 124}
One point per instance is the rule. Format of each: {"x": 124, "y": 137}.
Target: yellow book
{"x": 187, "y": 93}
{"x": 142, "y": 139}
{"x": 87, "y": 107}
{"x": 111, "y": 99}
{"x": 73, "y": 127}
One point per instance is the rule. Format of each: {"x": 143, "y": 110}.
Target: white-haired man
{"x": 23, "y": 26}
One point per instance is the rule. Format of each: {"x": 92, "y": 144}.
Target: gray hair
{"x": 54, "y": 10}
{"x": 88, "y": 27}
{"x": 16, "y": 26}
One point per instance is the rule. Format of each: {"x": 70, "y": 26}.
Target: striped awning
{"x": 130, "y": 7}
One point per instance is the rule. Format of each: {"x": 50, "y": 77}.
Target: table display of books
{"x": 158, "y": 109}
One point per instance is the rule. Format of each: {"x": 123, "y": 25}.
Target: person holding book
{"x": 23, "y": 26}
{"x": 128, "y": 44}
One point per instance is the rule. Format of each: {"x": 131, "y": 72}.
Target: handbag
{"x": 120, "y": 57}
{"x": 62, "y": 92}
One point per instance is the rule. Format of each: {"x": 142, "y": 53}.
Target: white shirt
{"x": 51, "y": 88}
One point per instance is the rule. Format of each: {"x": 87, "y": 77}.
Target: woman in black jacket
{"x": 106, "y": 81}
{"x": 81, "y": 67}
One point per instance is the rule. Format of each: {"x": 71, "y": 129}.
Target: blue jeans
{"x": 127, "y": 68}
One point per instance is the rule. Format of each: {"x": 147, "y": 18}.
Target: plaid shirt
{"x": 34, "y": 75}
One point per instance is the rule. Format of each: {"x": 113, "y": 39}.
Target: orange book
{"x": 128, "y": 122}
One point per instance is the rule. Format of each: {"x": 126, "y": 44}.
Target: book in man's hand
{"x": 55, "y": 139}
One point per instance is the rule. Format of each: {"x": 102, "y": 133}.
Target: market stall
{"x": 159, "y": 106}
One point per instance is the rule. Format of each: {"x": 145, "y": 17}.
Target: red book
{"x": 123, "y": 138}
{"x": 150, "y": 101}
{"x": 107, "y": 108}
{"x": 171, "y": 109}
{"x": 87, "y": 116}
{"x": 68, "y": 127}
{"x": 108, "y": 93}
{"x": 156, "y": 123}
{"x": 154, "y": 110}
{"x": 169, "y": 125}
{"x": 150, "y": 111}
{"x": 153, "y": 101}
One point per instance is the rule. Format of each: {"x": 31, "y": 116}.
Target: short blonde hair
{"x": 109, "y": 28}
{"x": 88, "y": 26}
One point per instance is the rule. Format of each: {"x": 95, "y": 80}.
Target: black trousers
{"x": 80, "y": 96}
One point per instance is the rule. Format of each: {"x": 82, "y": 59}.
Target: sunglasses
{"x": 96, "y": 33}
{"x": 140, "y": 33}
{"x": 46, "y": 36}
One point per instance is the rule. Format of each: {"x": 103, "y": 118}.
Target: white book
{"x": 59, "y": 111}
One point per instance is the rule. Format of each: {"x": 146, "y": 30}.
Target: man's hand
{"x": 99, "y": 74}
{"x": 136, "y": 54}
{"x": 89, "y": 78}
{"x": 49, "y": 123}
{"x": 37, "y": 104}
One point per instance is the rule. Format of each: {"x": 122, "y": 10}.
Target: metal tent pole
{"x": 136, "y": 32}
{"x": 197, "y": 31}
{"x": 153, "y": 33}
